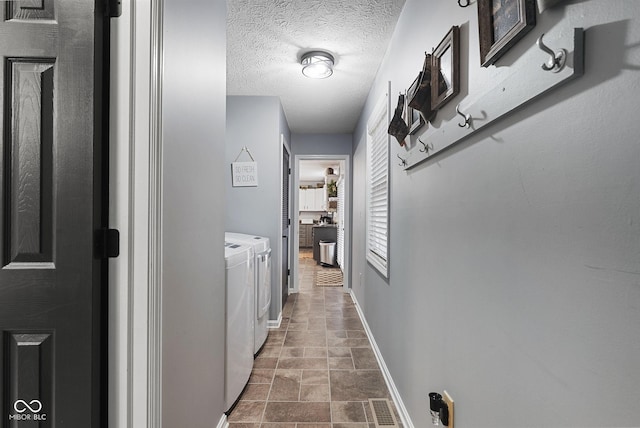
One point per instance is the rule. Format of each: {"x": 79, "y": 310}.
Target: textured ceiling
{"x": 266, "y": 38}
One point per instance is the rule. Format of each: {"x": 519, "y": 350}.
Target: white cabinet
{"x": 303, "y": 199}
{"x": 313, "y": 199}
{"x": 319, "y": 199}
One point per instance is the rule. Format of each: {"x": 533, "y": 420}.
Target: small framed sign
{"x": 244, "y": 174}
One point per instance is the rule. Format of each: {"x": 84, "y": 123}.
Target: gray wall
{"x": 256, "y": 122}
{"x": 193, "y": 272}
{"x": 515, "y": 255}
{"x": 322, "y": 144}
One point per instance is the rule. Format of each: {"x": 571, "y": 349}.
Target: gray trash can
{"x": 327, "y": 253}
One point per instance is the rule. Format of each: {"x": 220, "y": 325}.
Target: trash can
{"x": 327, "y": 253}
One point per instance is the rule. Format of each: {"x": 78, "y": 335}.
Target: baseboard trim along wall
{"x": 395, "y": 395}
{"x": 223, "y": 423}
{"x": 275, "y": 323}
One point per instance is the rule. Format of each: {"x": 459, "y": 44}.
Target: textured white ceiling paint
{"x": 266, "y": 39}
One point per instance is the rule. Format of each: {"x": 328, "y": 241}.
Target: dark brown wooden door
{"x": 51, "y": 351}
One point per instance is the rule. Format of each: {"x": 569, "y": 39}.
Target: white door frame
{"x": 296, "y": 221}
{"x": 134, "y": 397}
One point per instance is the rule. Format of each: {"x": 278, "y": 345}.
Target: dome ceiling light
{"x": 317, "y": 64}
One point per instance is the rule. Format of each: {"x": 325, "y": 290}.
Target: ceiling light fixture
{"x": 317, "y": 64}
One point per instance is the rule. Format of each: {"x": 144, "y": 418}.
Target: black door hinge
{"x": 115, "y": 8}
{"x": 288, "y": 272}
{"x": 289, "y": 222}
{"x": 107, "y": 243}
{"x": 289, "y": 171}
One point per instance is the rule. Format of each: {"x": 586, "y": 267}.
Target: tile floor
{"x": 317, "y": 370}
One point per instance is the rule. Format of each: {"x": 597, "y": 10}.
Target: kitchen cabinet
{"x": 312, "y": 199}
{"x": 306, "y": 235}
{"x": 320, "y": 199}
{"x": 303, "y": 202}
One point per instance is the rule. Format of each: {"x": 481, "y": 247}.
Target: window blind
{"x": 341, "y": 222}
{"x": 378, "y": 186}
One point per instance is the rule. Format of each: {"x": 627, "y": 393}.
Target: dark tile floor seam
{"x": 266, "y": 400}
{"x": 324, "y": 295}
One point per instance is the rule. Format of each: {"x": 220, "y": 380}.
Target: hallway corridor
{"x": 317, "y": 370}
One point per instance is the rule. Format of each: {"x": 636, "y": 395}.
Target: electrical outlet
{"x": 449, "y": 402}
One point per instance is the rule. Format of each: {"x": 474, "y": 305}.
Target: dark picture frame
{"x": 445, "y": 69}
{"x": 501, "y": 24}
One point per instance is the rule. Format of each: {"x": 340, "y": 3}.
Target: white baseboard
{"x": 223, "y": 423}
{"x": 275, "y": 323}
{"x": 395, "y": 395}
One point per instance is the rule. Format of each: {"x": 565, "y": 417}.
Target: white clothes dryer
{"x": 262, "y": 283}
{"x": 239, "y": 260}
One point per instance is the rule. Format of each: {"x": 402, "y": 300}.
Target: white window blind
{"x": 378, "y": 186}
{"x": 341, "y": 222}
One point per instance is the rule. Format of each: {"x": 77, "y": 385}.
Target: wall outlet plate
{"x": 449, "y": 401}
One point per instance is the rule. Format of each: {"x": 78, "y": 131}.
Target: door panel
{"x": 285, "y": 224}
{"x": 30, "y": 95}
{"x": 51, "y": 193}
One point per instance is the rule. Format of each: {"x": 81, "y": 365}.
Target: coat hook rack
{"x": 244, "y": 149}
{"x": 425, "y": 147}
{"x": 403, "y": 161}
{"x": 461, "y": 4}
{"x": 467, "y": 118}
{"x": 556, "y": 60}
{"x": 506, "y": 96}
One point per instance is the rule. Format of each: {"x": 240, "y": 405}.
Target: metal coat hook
{"x": 464, "y": 5}
{"x": 556, "y": 60}
{"x": 404, "y": 161}
{"x": 467, "y": 118}
{"x": 426, "y": 147}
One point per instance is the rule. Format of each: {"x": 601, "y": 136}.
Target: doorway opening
{"x": 321, "y": 243}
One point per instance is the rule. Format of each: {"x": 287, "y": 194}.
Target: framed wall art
{"x": 501, "y": 24}
{"x": 445, "y": 69}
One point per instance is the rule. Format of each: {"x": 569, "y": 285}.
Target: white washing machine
{"x": 239, "y": 261}
{"x": 262, "y": 283}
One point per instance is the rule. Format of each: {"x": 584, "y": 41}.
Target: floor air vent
{"x": 382, "y": 412}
